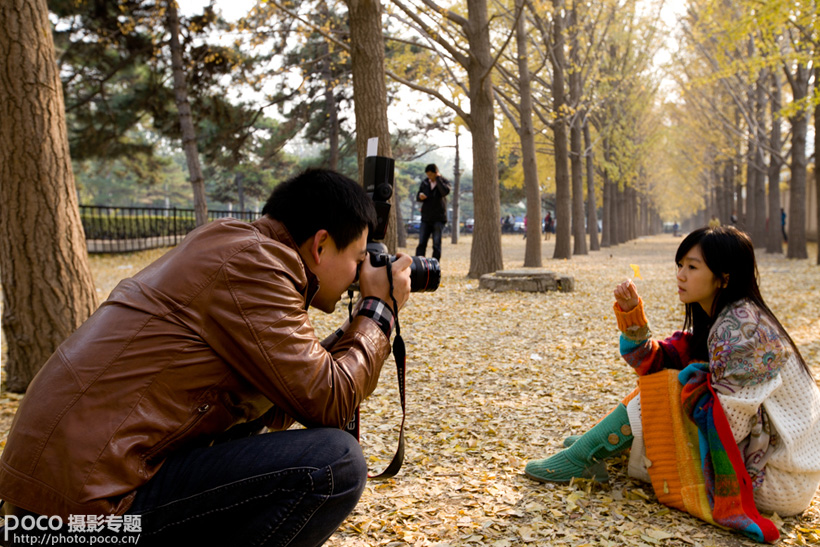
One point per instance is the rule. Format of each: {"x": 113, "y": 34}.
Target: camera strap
{"x": 400, "y": 355}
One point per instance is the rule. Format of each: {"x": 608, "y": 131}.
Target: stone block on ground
{"x": 527, "y": 280}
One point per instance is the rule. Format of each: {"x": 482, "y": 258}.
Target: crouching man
{"x": 149, "y": 408}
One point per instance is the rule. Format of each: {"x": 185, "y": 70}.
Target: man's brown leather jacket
{"x": 213, "y": 334}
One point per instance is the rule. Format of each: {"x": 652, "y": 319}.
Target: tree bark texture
{"x": 186, "y": 121}
{"x": 759, "y": 228}
{"x": 592, "y": 210}
{"x": 797, "y": 188}
{"x": 816, "y": 156}
{"x": 563, "y": 209}
{"x": 620, "y": 216}
{"x": 330, "y": 100}
{"x": 332, "y": 119}
{"x": 48, "y": 290}
{"x": 616, "y": 217}
{"x": 751, "y": 184}
{"x": 728, "y": 182}
{"x": 370, "y": 90}
{"x": 774, "y": 235}
{"x": 739, "y": 202}
{"x": 485, "y": 253}
{"x": 532, "y": 253}
{"x": 240, "y": 189}
{"x": 577, "y": 177}
{"x": 456, "y": 193}
{"x": 606, "y": 221}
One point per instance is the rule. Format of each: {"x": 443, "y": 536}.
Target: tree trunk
{"x": 563, "y": 210}
{"x": 532, "y": 253}
{"x": 816, "y": 156}
{"x": 628, "y": 213}
{"x": 454, "y": 195}
{"x": 759, "y": 229}
{"x": 578, "y": 228}
{"x": 606, "y": 234}
{"x": 331, "y": 109}
{"x": 592, "y": 214}
{"x": 739, "y": 202}
{"x": 186, "y": 122}
{"x": 616, "y": 217}
{"x": 623, "y": 215}
{"x": 240, "y": 190}
{"x": 401, "y": 231}
{"x": 720, "y": 195}
{"x": 477, "y": 61}
{"x": 751, "y": 184}
{"x": 774, "y": 235}
{"x": 729, "y": 188}
{"x": 615, "y": 213}
{"x": 48, "y": 290}
{"x": 334, "y": 130}
{"x": 797, "y": 188}
{"x": 485, "y": 253}
{"x": 332, "y": 119}
{"x": 369, "y": 89}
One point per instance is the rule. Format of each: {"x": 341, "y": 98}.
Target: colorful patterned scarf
{"x": 728, "y": 484}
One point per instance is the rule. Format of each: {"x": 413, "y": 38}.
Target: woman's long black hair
{"x": 730, "y": 255}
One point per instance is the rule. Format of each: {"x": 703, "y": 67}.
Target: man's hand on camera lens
{"x": 373, "y": 280}
{"x": 401, "y": 278}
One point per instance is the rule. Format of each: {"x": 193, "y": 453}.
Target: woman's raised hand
{"x": 626, "y": 296}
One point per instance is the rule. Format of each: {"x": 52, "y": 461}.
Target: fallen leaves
{"x": 497, "y": 379}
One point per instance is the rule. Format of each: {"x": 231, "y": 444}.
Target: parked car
{"x": 469, "y": 224}
{"x": 413, "y": 226}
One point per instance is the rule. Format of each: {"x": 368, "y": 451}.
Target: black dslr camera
{"x": 425, "y": 273}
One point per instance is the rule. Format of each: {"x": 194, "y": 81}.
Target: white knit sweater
{"x": 773, "y": 407}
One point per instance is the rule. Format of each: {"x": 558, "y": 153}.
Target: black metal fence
{"x": 126, "y": 229}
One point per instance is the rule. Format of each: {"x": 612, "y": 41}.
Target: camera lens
{"x": 425, "y": 274}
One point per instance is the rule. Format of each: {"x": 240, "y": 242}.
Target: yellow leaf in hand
{"x": 636, "y": 270}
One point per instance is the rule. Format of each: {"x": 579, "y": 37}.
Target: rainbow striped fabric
{"x": 698, "y": 468}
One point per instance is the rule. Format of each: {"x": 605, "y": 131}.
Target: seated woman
{"x": 726, "y": 418}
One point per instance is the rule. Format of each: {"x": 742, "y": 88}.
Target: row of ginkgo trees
{"x": 572, "y": 80}
{"x": 748, "y": 73}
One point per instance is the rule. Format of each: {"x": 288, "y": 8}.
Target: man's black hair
{"x": 431, "y": 168}
{"x": 320, "y": 199}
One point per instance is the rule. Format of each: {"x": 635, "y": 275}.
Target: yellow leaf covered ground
{"x": 496, "y": 379}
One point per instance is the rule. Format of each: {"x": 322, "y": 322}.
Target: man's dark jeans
{"x": 286, "y": 488}
{"x": 425, "y": 230}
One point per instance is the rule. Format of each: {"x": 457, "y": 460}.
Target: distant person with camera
{"x": 152, "y": 407}
{"x": 433, "y": 197}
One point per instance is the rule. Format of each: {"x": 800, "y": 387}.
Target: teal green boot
{"x": 569, "y": 441}
{"x": 583, "y": 459}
